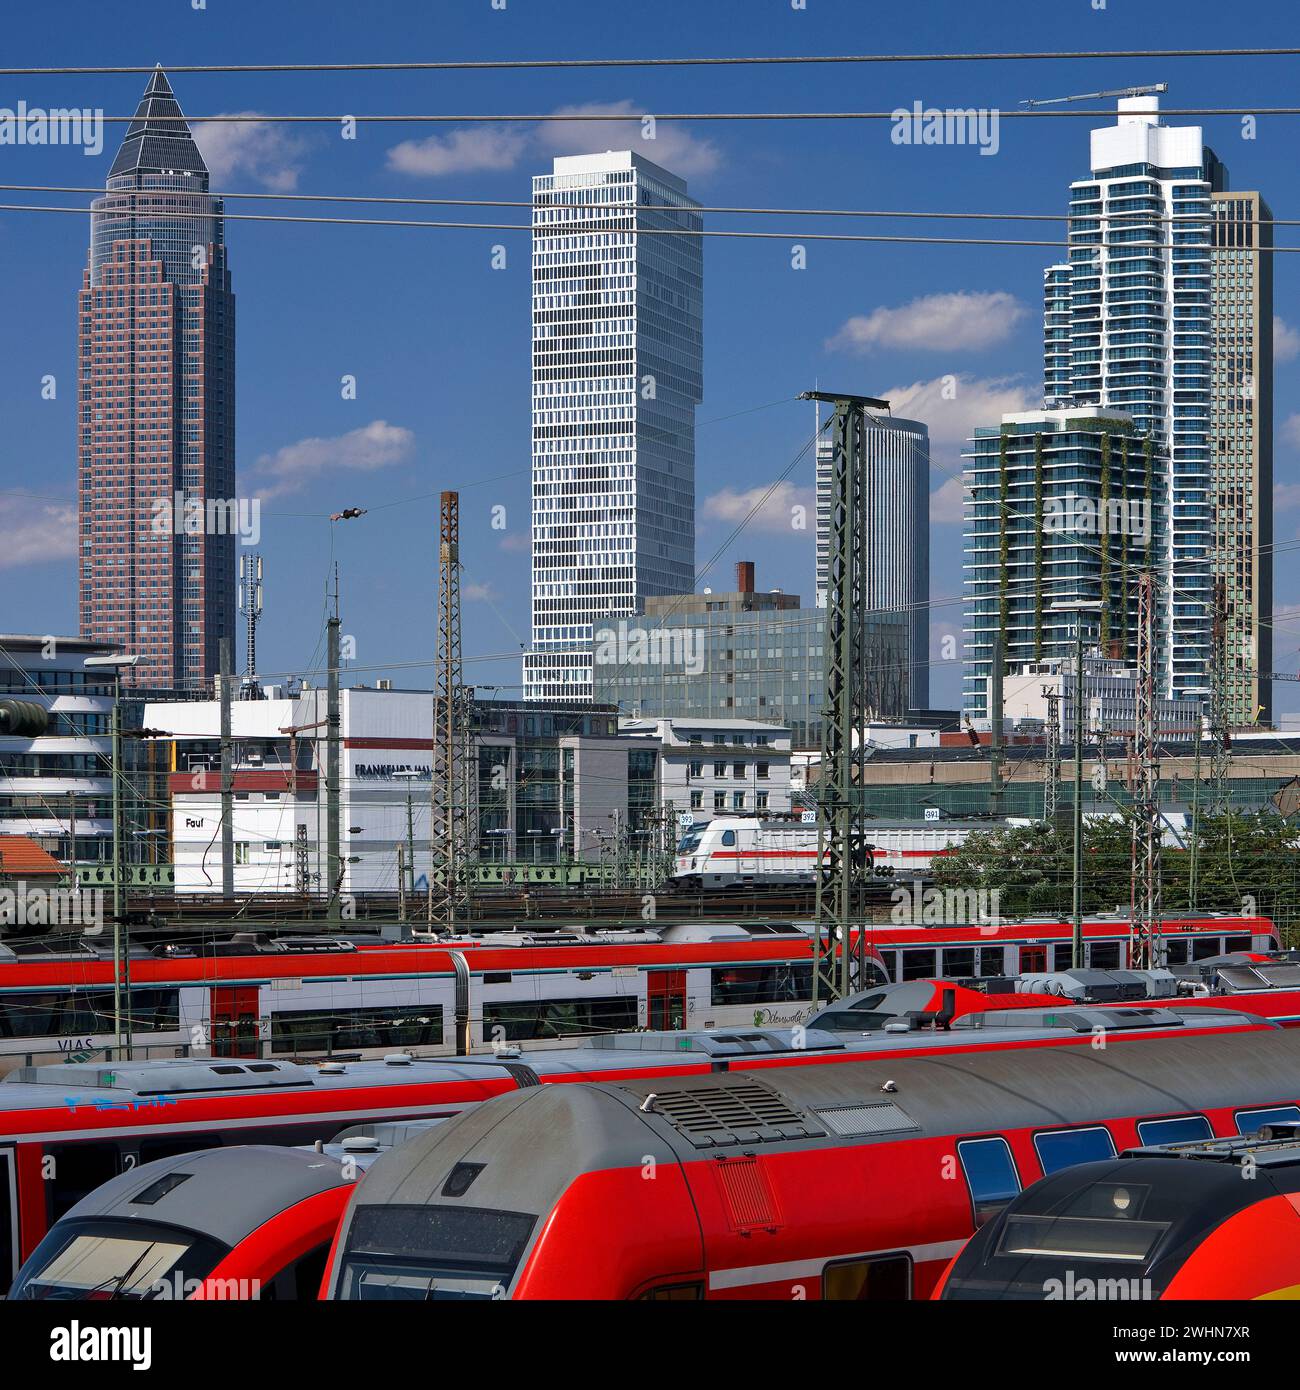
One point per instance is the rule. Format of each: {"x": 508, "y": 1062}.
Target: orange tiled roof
{"x": 23, "y": 858}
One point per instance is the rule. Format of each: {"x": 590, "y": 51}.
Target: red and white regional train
{"x": 317, "y": 997}
{"x": 1168, "y": 1221}
{"x": 742, "y": 851}
{"x": 66, "y": 1129}
{"x": 856, "y": 1182}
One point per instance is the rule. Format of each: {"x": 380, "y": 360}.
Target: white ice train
{"x": 733, "y": 851}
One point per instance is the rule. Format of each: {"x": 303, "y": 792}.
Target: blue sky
{"x": 437, "y": 339}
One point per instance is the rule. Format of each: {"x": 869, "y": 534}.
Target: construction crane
{"x": 1151, "y": 90}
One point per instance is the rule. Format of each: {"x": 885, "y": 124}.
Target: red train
{"x": 67, "y": 1129}
{"x": 853, "y": 1182}
{"x": 1172, "y": 1221}
{"x": 320, "y": 996}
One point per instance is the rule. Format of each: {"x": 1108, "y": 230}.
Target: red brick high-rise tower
{"x": 156, "y": 408}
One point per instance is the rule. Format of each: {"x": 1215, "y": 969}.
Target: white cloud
{"x": 1286, "y": 340}
{"x": 776, "y": 514}
{"x": 946, "y": 504}
{"x": 36, "y": 532}
{"x": 953, "y": 405}
{"x": 517, "y": 541}
{"x": 263, "y": 151}
{"x": 493, "y": 148}
{"x": 934, "y": 322}
{"x": 477, "y": 593}
{"x": 373, "y": 446}
{"x": 1286, "y": 496}
{"x": 673, "y": 146}
{"x": 1291, "y": 430}
{"x": 464, "y": 150}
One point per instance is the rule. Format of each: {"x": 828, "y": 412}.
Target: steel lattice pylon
{"x": 1146, "y": 947}
{"x": 844, "y": 856}
{"x": 1052, "y": 754}
{"x": 447, "y": 799}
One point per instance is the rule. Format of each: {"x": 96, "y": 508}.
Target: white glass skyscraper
{"x": 897, "y": 480}
{"x": 1138, "y": 337}
{"x": 617, "y": 374}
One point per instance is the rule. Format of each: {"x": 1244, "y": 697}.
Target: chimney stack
{"x": 745, "y": 576}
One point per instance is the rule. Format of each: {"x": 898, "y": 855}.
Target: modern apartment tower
{"x": 1062, "y": 506}
{"x": 897, "y": 482}
{"x": 1241, "y": 448}
{"x": 156, "y": 407}
{"x": 1128, "y": 326}
{"x": 617, "y": 374}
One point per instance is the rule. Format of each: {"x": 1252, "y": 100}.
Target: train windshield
{"x": 689, "y": 842}
{"x": 422, "y": 1254}
{"x": 1101, "y": 1230}
{"x": 97, "y": 1259}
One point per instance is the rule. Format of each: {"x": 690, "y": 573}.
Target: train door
{"x": 233, "y": 1020}
{"x": 8, "y": 1219}
{"x": 666, "y": 1000}
{"x": 1033, "y": 960}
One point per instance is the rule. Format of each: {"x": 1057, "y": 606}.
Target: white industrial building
{"x": 1109, "y": 699}
{"x": 712, "y": 767}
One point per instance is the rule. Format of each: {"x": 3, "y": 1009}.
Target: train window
{"x": 959, "y": 962}
{"x": 531, "y": 1019}
{"x": 675, "y": 1293}
{"x": 1063, "y": 1148}
{"x": 1181, "y": 1129}
{"x": 1238, "y": 943}
{"x": 1063, "y": 955}
{"x": 1175, "y": 950}
{"x": 990, "y": 1175}
{"x": 1104, "y": 955}
{"x": 348, "y": 1030}
{"x": 1203, "y": 947}
{"x": 919, "y": 965}
{"x": 497, "y": 977}
{"x": 992, "y": 960}
{"x": 85, "y": 1012}
{"x": 1252, "y": 1121}
{"x": 760, "y": 984}
{"x": 422, "y": 1253}
{"x": 890, "y": 959}
{"x": 729, "y": 838}
{"x": 78, "y": 1169}
{"x": 884, "y": 1278}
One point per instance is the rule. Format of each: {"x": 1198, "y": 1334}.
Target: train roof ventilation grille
{"x": 743, "y": 1112}
{"x": 883, "y": 1118}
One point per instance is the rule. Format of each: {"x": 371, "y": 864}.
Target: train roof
{"x": 132, "y": 1086}
{"x": 531, "y": 1144}
{"x": 224, "y": 1193}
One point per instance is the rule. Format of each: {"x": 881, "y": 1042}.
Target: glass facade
{"x": 617, "y": 374}
{"x": 156, "y": 398}
{"x": 764, "y": 665}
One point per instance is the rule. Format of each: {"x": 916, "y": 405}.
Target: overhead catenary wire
{"x": 1183, "y": 219}
{"x": 561, "y": 230}
{"x": 671, "y": 61}
{"x": 543, "y": 117}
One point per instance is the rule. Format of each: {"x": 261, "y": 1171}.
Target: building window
{"x": 760, "y": 801}
{"x": 738, "y": 801}
{"x": 241, "y": 851}
{"x": 719, "y": 769}
{"x": 697, "y": 801}
{"x": 719, "y": 801}
{"x": 738, "y": 770}
{"x": 760, "y": 769}
{"x": 696, "y": 769}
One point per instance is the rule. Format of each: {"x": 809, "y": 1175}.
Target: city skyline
{"x": 389, "y": 446}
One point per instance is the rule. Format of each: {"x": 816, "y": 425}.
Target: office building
{"x": 617, "y": 374}
{"x": 156, "y": 408}
{"x": 896, "y": 476}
